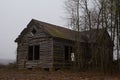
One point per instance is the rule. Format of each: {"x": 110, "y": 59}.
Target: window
{"x": 68, "y": 51}
{"x": 30, "y": 53}
{"x": 36, "y": 52}
{"x": 33, "y": 52}
{"x": 34, "y": 31}
{"x": 71, "y": 49}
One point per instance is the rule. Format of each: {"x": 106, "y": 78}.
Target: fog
{"x": 16, "y": 14}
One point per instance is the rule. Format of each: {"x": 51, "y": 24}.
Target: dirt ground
{"x": 15, "y": 74}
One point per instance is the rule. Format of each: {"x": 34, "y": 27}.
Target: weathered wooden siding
{"x": 59, "y": 53}
{"x": 52, "y": 50}
{"x": 44, "y": 41}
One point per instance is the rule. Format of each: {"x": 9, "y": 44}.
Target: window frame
{"x": 67, "y": 56}
{"x": 33, "y": 53}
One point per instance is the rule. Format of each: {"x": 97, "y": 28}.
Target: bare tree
{"x": 103, "y": 14}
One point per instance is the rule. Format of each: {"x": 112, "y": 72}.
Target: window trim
{"x": 70, "y": 50}
{"x": 33, "y": 52}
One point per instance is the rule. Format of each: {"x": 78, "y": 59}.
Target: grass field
{"x": 15, "y": 74}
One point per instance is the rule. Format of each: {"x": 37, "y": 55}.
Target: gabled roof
{"x": 65, "y": 33}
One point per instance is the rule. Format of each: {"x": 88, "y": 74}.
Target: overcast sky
{"x": 16, "y": 14}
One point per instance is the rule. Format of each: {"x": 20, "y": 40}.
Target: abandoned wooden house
{"x": 45, "y": 45}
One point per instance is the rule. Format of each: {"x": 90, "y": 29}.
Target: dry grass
{"x": 15, "y": 74}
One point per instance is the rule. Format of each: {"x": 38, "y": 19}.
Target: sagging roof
{"x": 65, "y": 33}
